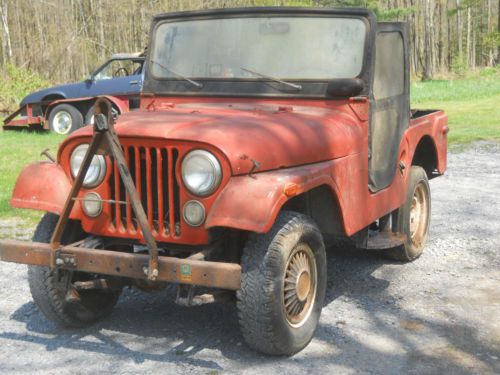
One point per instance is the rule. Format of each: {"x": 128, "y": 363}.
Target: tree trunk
{"x": 5, "y": 24}
{"x": 448, "y": 21}
{"x": 101, "y": 29}
{"x": 459, "y": 32}
{"x": 498, "y": 29}
{"x": 427, "y": 73}
{"x": 490, "y": 29}
{"x": 468, "y": 40}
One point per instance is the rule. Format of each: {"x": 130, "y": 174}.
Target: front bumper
{"x": 107, "y": 262}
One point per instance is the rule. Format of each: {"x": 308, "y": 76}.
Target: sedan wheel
{"x": 62, "y": 122}
{"x": 65, "y": 119}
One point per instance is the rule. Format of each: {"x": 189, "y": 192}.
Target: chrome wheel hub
{"x": 419, "y": 214}
{"x": 299, "y": 285}
{"x": 62, "y": 122}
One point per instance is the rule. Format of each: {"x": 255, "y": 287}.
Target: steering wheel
{"x": 117, "y": 72}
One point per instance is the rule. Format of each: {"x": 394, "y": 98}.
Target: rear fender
{"x": 43, "y": 186}
{"x": 435, "y": 127}
{"x": 252, "y": 202}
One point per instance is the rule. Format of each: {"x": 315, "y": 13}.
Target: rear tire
{"x": 283, "y": 285}
{"x": 49, "y": 287}
{"x": 65, "y": 119}
{"x": 413, "y": 218}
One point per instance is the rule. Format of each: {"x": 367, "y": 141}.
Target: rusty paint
{"x": 43, "y": 186}
{"x": 135, "y": 201}
{"x": 328, "y": 128}
{"x": 103, "y": 224}
{"x": 359, "y": 106}
{"x": 8, "y": 119}
{"x": 320, "y": 142}
{"x": 11, "y": 121}
{"x": 121, "y": 102}
{"x": 105, "y": 137}
{"x": 75, "y": 188}
{"x": 108, "y": 262}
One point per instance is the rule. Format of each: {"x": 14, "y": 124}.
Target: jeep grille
{"x": 153, "y": 172}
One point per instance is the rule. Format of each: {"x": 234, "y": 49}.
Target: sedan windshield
{"x": 286, "y": 48}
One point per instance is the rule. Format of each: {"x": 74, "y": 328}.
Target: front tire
{"x": 283, "y": 285}
{"x": 65, "y": 119}
{"x": 49, "y": 288}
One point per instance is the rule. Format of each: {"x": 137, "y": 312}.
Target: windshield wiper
{"x": 194, "y": 83}
{"x": 293, "y": 85}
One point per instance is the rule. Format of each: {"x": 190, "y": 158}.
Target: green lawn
{"x": 16, "y": 150}
{"x": 472, "y": 105}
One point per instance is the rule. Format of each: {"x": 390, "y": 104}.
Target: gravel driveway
{"x": 440, "y": 314}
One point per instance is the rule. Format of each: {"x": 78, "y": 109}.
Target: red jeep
{"x": 261, "y": 133}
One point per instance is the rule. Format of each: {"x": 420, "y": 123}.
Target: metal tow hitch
{"x": 105, "y": 141}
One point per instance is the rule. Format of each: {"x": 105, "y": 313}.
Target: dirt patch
{"x": 412, "y": 325}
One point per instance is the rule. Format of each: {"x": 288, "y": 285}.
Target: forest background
{"x": 64, "y": 40}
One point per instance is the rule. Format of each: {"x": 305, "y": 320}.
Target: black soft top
{"x": 363, "y": 12}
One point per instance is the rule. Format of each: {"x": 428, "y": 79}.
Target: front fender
{"x": 43, "y": 186}
{"x": 252, "y": 202}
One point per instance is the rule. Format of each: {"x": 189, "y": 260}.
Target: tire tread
{"x": 255, "y": 299}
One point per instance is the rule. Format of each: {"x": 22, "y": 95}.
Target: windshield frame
{"x": 254, "y": 86}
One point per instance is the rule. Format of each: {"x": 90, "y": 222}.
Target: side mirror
{"x": 345, "y": 87}
{"x": 89, "y": 79}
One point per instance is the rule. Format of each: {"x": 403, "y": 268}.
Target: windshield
{"x": 293, "y": 48}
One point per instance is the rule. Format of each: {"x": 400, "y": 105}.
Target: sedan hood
{"x": 274, "y": 137}
{"x": 66, "y": 91}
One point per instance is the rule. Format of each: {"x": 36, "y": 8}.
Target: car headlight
{"x": 97, "y": 169}
{"x": 194, "y": 213}
{"x": 201, "y": 172}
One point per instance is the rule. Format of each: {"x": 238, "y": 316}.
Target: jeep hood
{"x": 272, "y": 136}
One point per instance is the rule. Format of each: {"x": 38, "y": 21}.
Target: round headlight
{"x": 194, "y": 213}
{"x": 92, "y": 204}
{"x": 201, "y": 172}
{"x": 97, "y": 169}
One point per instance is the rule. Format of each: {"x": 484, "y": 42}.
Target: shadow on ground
{"x": 152, "y": 328}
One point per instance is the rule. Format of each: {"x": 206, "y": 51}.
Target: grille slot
{"x": 153, "y": 173}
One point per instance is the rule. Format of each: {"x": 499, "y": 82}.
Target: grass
{"x": 16, "y": 150}
{"x": 16, "y": 83}
{"x": 472, "y": 105}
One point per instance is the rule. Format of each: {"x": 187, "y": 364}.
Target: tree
{"x": 64, "y": 40}
{"x": 7, "y": 45}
